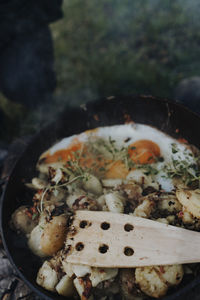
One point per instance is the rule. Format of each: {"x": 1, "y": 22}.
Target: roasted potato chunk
{"x": 155, "y": 280}
{"x": 53, "y": 235}
{"x": 47, "y": 277}
{"x": 22, "y": 221}
{"x": 190, "y": 199}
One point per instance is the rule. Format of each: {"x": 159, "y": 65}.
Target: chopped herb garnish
{"x": 34, "y": 216}
{"x": 185, "y": 169}
{"x": 102, "y": 169}
{"x": 174, "y": 148}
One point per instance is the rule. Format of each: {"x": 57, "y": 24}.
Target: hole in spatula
{"x": 103, "y": 248}
{"x": 128, "y": 251}
{"x": 105, "y": 226}
{"x": 128, "y": 227}
{"x": 79, "y": 246}
{"x": 83, "y": 224}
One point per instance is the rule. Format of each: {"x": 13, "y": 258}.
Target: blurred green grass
{"x": 115, "y": 47}
{"x": 121, "y": 47}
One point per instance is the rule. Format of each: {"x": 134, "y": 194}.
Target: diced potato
{"x": 34, "y": 241}
{"x": 57, "y": 195}
{"x": 155, "y": 280}
{"x": 81, "y": 270}
{"x": 101, "y": 274}
{"x": 21, "y": 221}
{"x": 150, "y": 282}
{"x": 132, "y": 189}
{"x": 170, "y": 219}
{"x": 65, "y": 286}
{"x": 101, "y": 201}
{"x": 190, "y": 199}
{"x": 38, "y": 183}
{"x": 53, "y": 235}
{"x": 162, "y": 220}
{"x": 92, "y": 185}
{"x": 112, "y": 182}
{"x": 57, "y": 176}
{"x": 114, "y": 202}
{"x": 173, "y": 274}
{"x": 144, "y": 209}
{"x": 71, "y": 198}
{"x": 68, "y": 268}
{"x": 139, "y": 177}
{"x": 85, "y": 203}
{"x": 47, "y": 277}
{"x": 187, "y": 217}
{"x": 79, "y": 285}
{"x": 169, "y": 203}
{"x": 78, "y": 270}
{"x": 44, "y": 168}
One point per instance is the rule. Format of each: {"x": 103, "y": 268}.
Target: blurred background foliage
{"x": 115, "y": 47}
{"x": 122, "y": 47}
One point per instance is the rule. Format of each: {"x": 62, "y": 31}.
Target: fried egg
{"x": 111, "y": 149}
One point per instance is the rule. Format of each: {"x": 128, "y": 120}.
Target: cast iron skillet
{"x": 166, "y": 116}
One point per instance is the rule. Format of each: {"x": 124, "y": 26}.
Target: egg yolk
{"x": 87, "y": 159}
{"x": 144, "y": 152}
{"x": 64, "y": 154}
{"x": 116, "y": 169}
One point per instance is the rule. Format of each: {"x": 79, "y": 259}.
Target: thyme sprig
{"x": 72, "y": 170}
{"x": 187, "y": 169}
{"x": 55, "y": 187}
{"x": 102, "y": 148}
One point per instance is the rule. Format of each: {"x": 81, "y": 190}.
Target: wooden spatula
{"x": 104, "y": 239}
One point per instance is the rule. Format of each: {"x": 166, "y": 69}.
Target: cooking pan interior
{"x": 166, "y": 116}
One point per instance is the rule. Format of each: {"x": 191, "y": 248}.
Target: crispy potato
{"x": 65, "y": 287}
{"x": 34, "y": 241}
{"x": 81, "y": 270}
{"x": 187, "y": 217}
{"x": 80, "y": 285}
{"x": 132, "y": 190}
{"x": 150, "y": 282}
{"x": 101, "y": 274}
{"x": 44, "y": 167}
{"x": 21, "y": 221}
{"x": 53, "y": 235}
{"x": 111, "y": 183}
{"x": 173, "y": 274}
{"x": 39, "y": 183}
{"x": 170, "y": 203}
{"x": 72, "y": 197}
{"x": 155, "y": 280}
{"x": 93, "y": 185}
{"x": 162, "y": 220}
{"x": 190, "y": 199}
{"x": 139, "y": 177}
{"x": 144, "y": 209}
{"x": 47, "y": 277}
{"x": 114, "y": 202}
